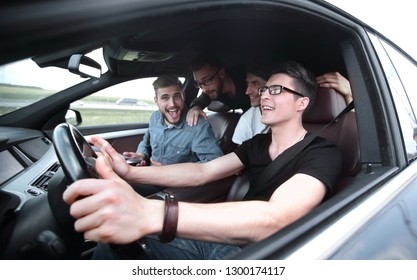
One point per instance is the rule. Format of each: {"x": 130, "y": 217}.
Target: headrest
{"x": 328, "y": 104}
{"x": 217, "y": 106}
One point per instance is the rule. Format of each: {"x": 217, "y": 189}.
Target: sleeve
{"x": 242, "y": 151}
{"x": 205, "y": 145}
{"x": 144, "y": 146}
{"x": 323, "y": 163}
{"x": 203, "y": 101}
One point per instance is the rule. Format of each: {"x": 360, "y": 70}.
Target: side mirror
{"x": 73, "y": 117}
{"x": 84, "y": 66}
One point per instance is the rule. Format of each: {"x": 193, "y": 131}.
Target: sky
{"x": 396, "y": 19}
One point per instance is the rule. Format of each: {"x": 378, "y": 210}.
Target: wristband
{"x": 169, "y": 228}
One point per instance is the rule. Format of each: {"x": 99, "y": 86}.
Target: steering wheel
{"x": 78, "y": 159}
{"x": 75, "y": 154}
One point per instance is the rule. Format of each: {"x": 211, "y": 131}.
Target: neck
{"x": 285, "y": 137}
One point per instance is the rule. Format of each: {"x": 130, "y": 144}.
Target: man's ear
{"x": 155, "y": 99}
{"x": 303, "y": 103}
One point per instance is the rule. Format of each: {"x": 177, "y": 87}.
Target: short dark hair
{"x": 305, "y": 82}
{"x": 205, "y": 58}
{"x": 261, "y": 70}
{"x": 166, "y": 80}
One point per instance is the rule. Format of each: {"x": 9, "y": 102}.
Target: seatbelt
{"x": 277, "y": 164}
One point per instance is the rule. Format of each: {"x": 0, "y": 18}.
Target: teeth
{"x": 267, "y": 108}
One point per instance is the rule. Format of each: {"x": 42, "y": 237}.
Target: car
{"x": 372, "y": 215}
{"x": 127, "y": 101}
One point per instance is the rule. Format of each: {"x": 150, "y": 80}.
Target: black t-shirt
{"x": 319, "y": 159}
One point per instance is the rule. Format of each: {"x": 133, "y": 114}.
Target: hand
{"x": 109, "y": 210}
{"x": 139, "y": 159}
{"x": 193, "y": 113}
{"x": 338, "y": 82}
{"x": 155, "y": 163}
{"x": 112, "y": 158}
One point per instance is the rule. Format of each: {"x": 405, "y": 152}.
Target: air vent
{"x": 42, "y": 181}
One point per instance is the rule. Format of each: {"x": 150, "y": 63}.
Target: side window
{"x": 401, "y": 74}
{"x": 128, "y": 102}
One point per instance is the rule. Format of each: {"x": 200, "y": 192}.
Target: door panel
{"x": 124, "y": 137}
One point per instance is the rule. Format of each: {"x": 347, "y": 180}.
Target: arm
{"x": 110, "y": 211}
{"x": 202, "y": 101}
{"x": 292, "y": 200}
{"x": 204, "y": 144}
{"x": 196, "y": 109}
{"x": 338, "y": 82}
{"x": 174, "y": 174}
{"x": 144, "y": 146}
{"x": 143, "y": 151}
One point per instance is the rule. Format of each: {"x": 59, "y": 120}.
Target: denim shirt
{"x": 180, "y": 142}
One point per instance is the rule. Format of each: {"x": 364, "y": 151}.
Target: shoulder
{"x": 249, "y": 113}
{"x": 320, "y": 142}
{"x": 155, "y": 117}
{"x": 201, "y": 126}
{"x": 322, "y": 150}
{"x": 256, "y": 142}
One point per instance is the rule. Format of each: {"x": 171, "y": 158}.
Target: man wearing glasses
{"x": 211, "y": 77}
{"x": 250, "y": 122}
{"x": 107, "y": 210}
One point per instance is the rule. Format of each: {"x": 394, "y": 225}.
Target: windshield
{"x": 23, "y": 83}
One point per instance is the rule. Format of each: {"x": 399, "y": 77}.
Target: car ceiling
{"x": 238, "y": 33}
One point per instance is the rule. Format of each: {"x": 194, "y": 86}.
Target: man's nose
{"x": 171, "y": 101}
{"x": 204, "y": 88}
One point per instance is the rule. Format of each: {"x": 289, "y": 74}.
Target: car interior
{"x": 166, "y": 42}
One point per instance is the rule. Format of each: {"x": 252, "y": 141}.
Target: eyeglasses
{"x": 276, "y": 89}
{"x": 207, "y": 81}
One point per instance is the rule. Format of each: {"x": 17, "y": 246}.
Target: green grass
{"x": 89, "y": 116}
{"x": 113, "y": 116}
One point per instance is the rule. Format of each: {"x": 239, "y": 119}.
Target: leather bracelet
{"x": 169, "y": 228}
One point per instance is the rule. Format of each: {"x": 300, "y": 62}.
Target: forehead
{"x": 171, "y": 90}
{"x": 280, "y": 79}
{"x": 204, "y": 72}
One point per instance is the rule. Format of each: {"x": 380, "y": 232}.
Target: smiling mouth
{"x": 173, "y": 113}
{"x": 267, "y": 108}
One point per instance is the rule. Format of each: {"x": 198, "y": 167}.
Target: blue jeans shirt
{"x": 180, "y": 142}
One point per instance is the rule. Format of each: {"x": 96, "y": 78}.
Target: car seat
{"x": 223, "y": 125}
{"x": 342, "y": 132}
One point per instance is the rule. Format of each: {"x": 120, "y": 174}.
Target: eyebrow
{"x": 171, "y": 94}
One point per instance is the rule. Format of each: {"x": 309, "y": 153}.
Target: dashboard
{"x": 28, "y": 161}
